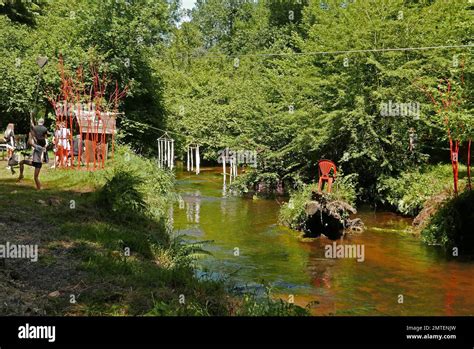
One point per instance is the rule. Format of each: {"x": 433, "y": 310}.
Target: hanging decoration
{"x": 193, "y": 161}
{"x": 229, "y": 157}
{"x": 165, "y": 151}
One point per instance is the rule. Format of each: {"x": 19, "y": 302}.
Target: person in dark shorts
{"x": 38, "y": 136}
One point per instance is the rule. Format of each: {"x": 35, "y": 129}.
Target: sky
{"x": 188, "y": 3}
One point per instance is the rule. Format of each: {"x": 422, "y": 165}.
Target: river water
{"x": 399, "y": 275}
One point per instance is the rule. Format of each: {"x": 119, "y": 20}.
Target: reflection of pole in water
{"x": 189, "y": 217}
{"x": 196, "y": 212}
{"x": 223, "y": 206}
{"x": 193, "y": 211}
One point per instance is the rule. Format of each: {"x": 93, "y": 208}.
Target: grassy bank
{"x": 408, "y": 193}
{"x": 441, "y": 217}
{"x": 105, "y": 247}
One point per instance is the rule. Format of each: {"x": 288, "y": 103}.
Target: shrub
{"x": 451, "y": 225}
{"x": 121, "y": 196}
{"x": 408, "y": 192}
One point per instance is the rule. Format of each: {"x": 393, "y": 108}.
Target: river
{"x": 399, "y": 275}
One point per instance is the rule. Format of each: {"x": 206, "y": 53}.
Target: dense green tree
{"x": 258, "y": 83}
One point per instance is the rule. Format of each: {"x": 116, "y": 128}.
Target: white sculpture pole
{"x": 163, "y": 159}
{"x": 187, "y": 160}
{"x": 167, "y": 153}
{"x": 198, "y": 160}
{"x": 223, "y": 167}
{"x": 172, "y": 153}
{"x": 159, "y": 153}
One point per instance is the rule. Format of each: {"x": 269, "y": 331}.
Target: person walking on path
{"x": 38, "y": 141}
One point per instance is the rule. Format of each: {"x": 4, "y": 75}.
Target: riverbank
{"x": 106, "y": 257}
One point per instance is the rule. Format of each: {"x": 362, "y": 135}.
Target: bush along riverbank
{"x": 410, "y": 191}
{"x": 441, "y": 218}
{"x": 451, "y": 225}
{"x": 106, "y": 248}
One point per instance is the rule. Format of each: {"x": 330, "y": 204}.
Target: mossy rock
{"x": 329, "y": 217}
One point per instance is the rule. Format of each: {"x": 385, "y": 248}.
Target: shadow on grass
{"x": 84, "y": 253}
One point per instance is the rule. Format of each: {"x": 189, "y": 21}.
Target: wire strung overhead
{"x": 336, "y": 52}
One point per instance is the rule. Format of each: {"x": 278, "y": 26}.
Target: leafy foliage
{"x": 121, "y": 196}
{"x": 296, "y": 109}
{"x": 451, "y": 225}
{"x": 408, "y": 192}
